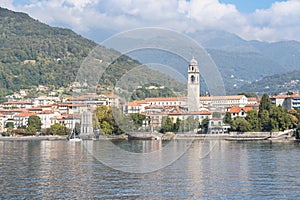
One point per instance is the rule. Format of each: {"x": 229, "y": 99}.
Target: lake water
{"x": 208, "y": 169}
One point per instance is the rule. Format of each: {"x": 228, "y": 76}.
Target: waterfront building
{"x": 67, "y": 120}
{"x": 192, "y": 105}
{"x": 45, "y": 117}
{"x": 225, "y": 101}
{"x": 21, "y": 119}
{"x": 217, "y": 126}
{"x": 236, "y": 111}
{"x": 286, "y": 101}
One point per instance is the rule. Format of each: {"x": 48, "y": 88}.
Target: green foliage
{"x": 77, "y": 128}
{"x": 105, "y": 119}
{"x": 189, "y": 124}
{"x": 227, "y": 118}
{"x": 248, "y": 94}
{"x": 138, "y": 118}
{"x": 167, "y": 125}
{"x": 9, "y": 125}
{"x": 35, "y": 122}
{"x": 58, "y": 129}
{"x": 106, "y": 128}
{"x": 204, "y": 125}
{"x": 31, "y": 130}
{"x": 274, "y": 84}
{"x": 240, "y": 124}
{"x": 269, "y": 118}
{"x": 176, "y": 125}
{"x": 19, "y": 131}
{"x": 252, "y": 118}
{"x": 142, "y": 93}
{"x": 265, "y": 120}
{"x": 265, "y": 103}
{"x": 33, "y": 53}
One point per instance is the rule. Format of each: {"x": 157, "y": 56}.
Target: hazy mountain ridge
{"x": 241, "y": 61}
{"x": 278, "y": 83}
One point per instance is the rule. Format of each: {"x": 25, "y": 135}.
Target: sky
{"x": 264, "y": 20}
{"x": 248, "y": 6}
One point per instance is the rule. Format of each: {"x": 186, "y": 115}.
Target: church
{"x": 193, "y": 104}
{"x": 193, "y": 86}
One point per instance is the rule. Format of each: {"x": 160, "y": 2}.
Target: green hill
{"x": 278, "y": 83}
{"x": 33, "y": 53}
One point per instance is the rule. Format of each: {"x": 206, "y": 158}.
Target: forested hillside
{"x": 277, "y": 83}
{"x": 33, "y": 53}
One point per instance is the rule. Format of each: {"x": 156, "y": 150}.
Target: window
{"x": 192, "y": 78}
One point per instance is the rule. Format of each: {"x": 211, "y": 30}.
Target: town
{"x": 61, "y": 114}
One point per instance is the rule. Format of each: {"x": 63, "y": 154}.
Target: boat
{"x": 75, "y": 139}
{"x": 140, "y": 136}
{"x": 72, "y": 137}
{"x": 247, "y": 138}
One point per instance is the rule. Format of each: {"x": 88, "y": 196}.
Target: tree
{"x": 176, "y": 125}
{"x": 265, "y": 103}
{"x": 58, "y": 129}
{"x": 252, "y": 118}
{"x": 9, "y": 126}
{"x": 167, "y": 125}
{"x": 106, "y": 128}
{"x": 77, "y": 128}
{"x": 35, "y": 121}
{"x": 240, "y": 124}
{"x": 31, "y": 130}
{"x": 111, "y": 120}
{"x": 190, "y": 124}
{"x": 138, "y": 118}
{"x": 204, "y": 125}
{"x": 265, "y": 121}
{"x": 227, "y": 118}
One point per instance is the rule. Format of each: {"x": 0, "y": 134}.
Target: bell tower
{"x": 193, "y": 86}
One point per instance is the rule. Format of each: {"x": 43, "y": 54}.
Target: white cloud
{"x": 7, "y": 4}
{"x": 278, "y": 22}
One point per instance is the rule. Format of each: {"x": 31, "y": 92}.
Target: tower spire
{"x": 193, "y": 86}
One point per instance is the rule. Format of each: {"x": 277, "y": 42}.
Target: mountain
{"x": 241, "y": 62}
{"x": 33, "y": 53}
{"x": 275, "y": 84}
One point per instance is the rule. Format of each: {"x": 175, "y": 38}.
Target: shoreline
{"x": 225, "y": 137}
{"x": 33, "y": 138}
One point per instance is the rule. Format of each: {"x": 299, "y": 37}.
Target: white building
{"x": 286, "y": 101}
{"x": 21, "y": 119}
{"x": 17, "y": 104}
{"x": 225, "y": 101}
{"x": 46, "y": 117}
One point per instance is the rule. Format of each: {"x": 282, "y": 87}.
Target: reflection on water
{"x": 59, "y": 169}
{"x": 140, "y": 146}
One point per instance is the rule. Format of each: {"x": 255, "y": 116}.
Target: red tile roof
{"x": 236, "y": 109}
{"x": 25, "y": 114}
